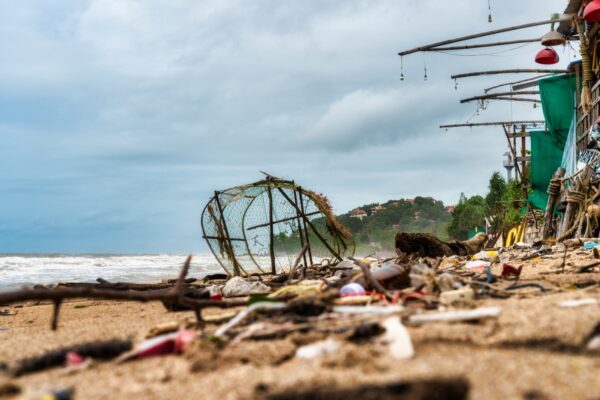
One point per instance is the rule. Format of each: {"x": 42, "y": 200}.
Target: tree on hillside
{"x": 468, "y": 214}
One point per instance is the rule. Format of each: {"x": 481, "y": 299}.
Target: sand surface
{"x": 534, "y": 348}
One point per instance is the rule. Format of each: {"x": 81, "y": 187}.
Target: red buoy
{"x": 591, "y": 13}
{"x": 546, "y": 56}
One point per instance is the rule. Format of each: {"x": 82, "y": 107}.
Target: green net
{"x": 546, "y": 157}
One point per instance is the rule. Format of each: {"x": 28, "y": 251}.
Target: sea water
{"x": 17, "y": 270}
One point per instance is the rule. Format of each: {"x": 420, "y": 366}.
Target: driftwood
{"x": 427, "y": 245}
{"x": 176, "y": 294}
{"x": 102, "y": 350}
{"x": 553, "y": 194}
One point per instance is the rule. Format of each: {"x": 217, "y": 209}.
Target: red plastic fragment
{"x": 510, "y": 271}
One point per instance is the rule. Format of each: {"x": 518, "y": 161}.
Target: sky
{"x": 119, "y": 118}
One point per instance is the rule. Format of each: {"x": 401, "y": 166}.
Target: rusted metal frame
{"x": 300, "y": 230}
{"x": 300, "y": 197}
{"x": 281, "y": 220}
{"x": 236, "y": 266}
{"x": 271, "y": 231}
{"x": 306, "y": 220}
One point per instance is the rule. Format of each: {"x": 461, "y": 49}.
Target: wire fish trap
{"x": 261, "y": 228}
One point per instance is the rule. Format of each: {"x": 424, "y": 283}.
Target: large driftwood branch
{"x": 174, "y": 295}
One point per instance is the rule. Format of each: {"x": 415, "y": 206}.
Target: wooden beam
{"x": 519, "y": 134}
{"x": 502, "y": 94}
{"x": 481, "y": 45}
{"x": 487, "y": 33}
{"x": 516, "y": 99}
{"x": 511, "y": 71}
{"x": 535, "y": 78}
{"x": 499, "y": 123}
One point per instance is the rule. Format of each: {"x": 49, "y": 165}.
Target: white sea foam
{"x": 19, "y": 270}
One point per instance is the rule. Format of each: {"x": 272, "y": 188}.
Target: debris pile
{"x": 331, "y": 311}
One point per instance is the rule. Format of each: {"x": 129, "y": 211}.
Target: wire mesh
{"x": 262, "y": 227}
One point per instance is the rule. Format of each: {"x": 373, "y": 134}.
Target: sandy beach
{"x": 534, "y": 349}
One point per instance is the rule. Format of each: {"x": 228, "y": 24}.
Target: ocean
{"x": 17, "y": 270}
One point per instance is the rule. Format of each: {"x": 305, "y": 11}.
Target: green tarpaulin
{"x": 546, "y": 157}
{"x": 558, "y": 99}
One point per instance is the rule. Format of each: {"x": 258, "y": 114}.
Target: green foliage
{"x": 496, "y": 200}
{"x": 468, "y": 214}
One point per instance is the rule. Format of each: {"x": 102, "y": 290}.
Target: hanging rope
{"x": 586, "y": 95}
{"x": 489, "y": 11}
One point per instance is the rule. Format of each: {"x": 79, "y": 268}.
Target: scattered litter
{"x": 73, "y": 359}
{"x": 170, "y": 343}
{"x": 374, "y": 310}
{"x": 398, "y": 338}
{"x": 578, "y": 303}
{"x": 246, "y": 312}
{"x": 477, "y": 265}
{"x": 591, "y": 245}
{"x": 456, "y": 316}
{"x": 239, "y": 287}
{"x": 60, "y": 394}
{"x": 485, "y": 256}
{"x": 453, "y": 296}
{"x": 352, "y": 289}
{"x": 318, "y": 349}
{"x": 508, "y": 271}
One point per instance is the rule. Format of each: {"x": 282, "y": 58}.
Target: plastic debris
{"x": 591, "y": 245}
{"x": 352, "y": 289}
{"x": 509, "y": 271}
{"x": 375, "y": 310}
{"x": 485, "y": 256}
{"x": 73, "y": 359}
{"x": 318, "y": 349}
{"x": 457, "y": 316}
{"x": 170, "y": 343}
{"x": 453, "y": 296}
{"x": 477, "y": 265}
{"x": 590, "y": 301}
{"x": 398, "y": 338}
{"x": 60, "y": 394}
{"x": 246, "y": 312}
{"x": 238, "y": 287}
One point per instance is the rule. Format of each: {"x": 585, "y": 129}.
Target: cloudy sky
{"x": 118, "y": 118}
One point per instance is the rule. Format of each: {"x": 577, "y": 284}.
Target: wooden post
{"x": 553, "y": 194}
{"x": 301, "y": 198}
{"x": 524, "y": 167}
{"x": 513, "y": 151}
{"x": 236, "y": 266}
{"x": 271, "y": 232}
{"x": 300, "y": 231}
{"x": 573, "y": 206}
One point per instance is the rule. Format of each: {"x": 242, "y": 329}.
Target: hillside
{"x": 375, "y": 226}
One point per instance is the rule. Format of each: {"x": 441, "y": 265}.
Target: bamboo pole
{"x": 502, "y": 94}
{"x": 512, "y": 84}
{"x": 499, "y": 123}
{"x": 482, "y": 45}
{"x": 514, "y": 153}
{"x": 487, "y": 33}
{"x": 511, "y": 71}
{"x": 516, "y": 99}
{"x": 271, "y": 232}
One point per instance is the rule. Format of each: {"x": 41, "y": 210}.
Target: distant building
{"x": 358, "y": 213}
{"x": 410, "y": 201}
{"x": 376, "y": 209}
{"x": 449, "y": 209}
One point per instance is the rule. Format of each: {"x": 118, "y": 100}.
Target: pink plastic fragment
{"x": 73, "y": 359}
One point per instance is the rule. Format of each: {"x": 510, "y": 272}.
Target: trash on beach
{"x": 239, "y": 287}
{"x": 352, "y": 289}
{"x": 453, "y": 296}
{"x": 593, "y": 340}
{"x": 589, "y": 301}
{"x": 318, "y": 349}
{"x": 373, "y": 310}
{"x": 478, "y": 265}
{"x": 456, "y": 316}
{"x": 485, "y": 256}
{"x": 57, "y": 394}
{"x": 591, "y": 245}
{"x": 169, "y": 343}
{"x": 509, "y": 271}
{"x": 397, "y": 337}
{"x": 246, "y": 312}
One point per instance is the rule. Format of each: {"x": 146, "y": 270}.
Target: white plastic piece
{"x": 318, "y": 349}
{"x": 398, "y": 338}
{"x": 588, "y": 301}
{"x": 238, "y": 287}
{"x": 457, "y": 316}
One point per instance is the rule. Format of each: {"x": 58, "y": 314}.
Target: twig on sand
{"x": 366, "y": 270}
